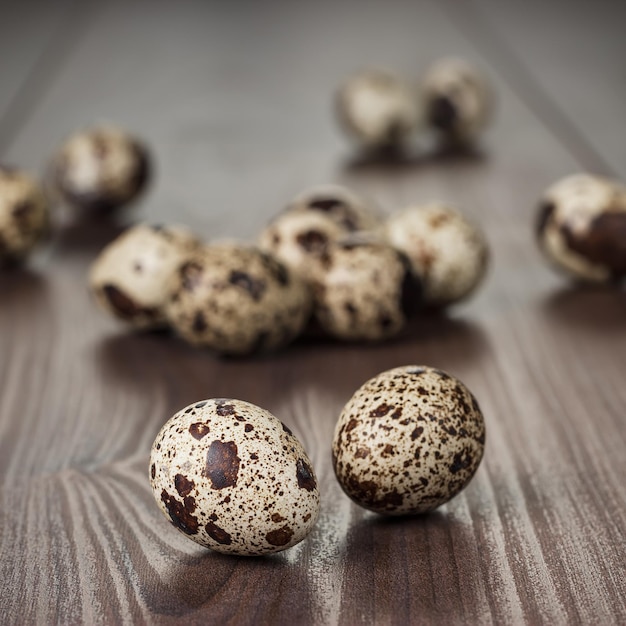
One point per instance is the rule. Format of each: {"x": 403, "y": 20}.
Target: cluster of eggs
{"x": 327, "y": 255}
{"x": 234, "y": 478}
{"x": 97, "y": 170}
{"x": 379, "y": 109}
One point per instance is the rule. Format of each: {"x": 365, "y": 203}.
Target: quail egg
{"x": 233, "y": 478}
{"x": 130, "y": 277}
{"x": 377, "y": 109}
{"x": 364, "y": 290}
{"x": 237, "y": 299}
{"x": 408, "y": 440}
{"x": 100, "y": 169}
{"x": 581, "y": 227}
{"x": 24, "y": 217}
{"x": 457, "y": 99}
{"x": 449, "y": 253}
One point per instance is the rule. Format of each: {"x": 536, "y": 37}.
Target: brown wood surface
{"x": 234, "y": 98}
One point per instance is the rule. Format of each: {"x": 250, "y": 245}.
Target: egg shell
{"x": 365, "y": 290}
{"x": 457, "y": 98}
{"x": 233, "y": 478}
{"x": 347, "y": 209}
{"x": 130, "y": 277}
{"x": 408, "y": 440}
{"x": 448, "y": 252}
{"x": 237, "y": 299}
{"x": 300, "y": 239}
{"x": 100, "y": 169}
{"x": 377, "y": 108}
{"x": 24, "y": 215}
{"x": 581, "y": 227}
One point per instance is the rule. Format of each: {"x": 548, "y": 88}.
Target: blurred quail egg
{"x": 100, "y": 169}
{"x": 457, "y": 99}
{"x": 237, "y": 299}
{"x": 233, "y": 478}
{"x": 581, "y": 227}
{"x": 377, "y": 109}
{"x": 449, "y": 253}
{"x": 130, "y": 277}
{"x": 364, "y": 289}
{"x": 340, "y": 204}
{"x": 24, "y": 217}
{"x": 408, "y": 440}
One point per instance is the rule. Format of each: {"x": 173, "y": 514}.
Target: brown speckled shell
{"x": 130, "y": 277}
{"x": 237, "y": 299}
{"x": 100, "y": 169}
{"x": 457, "y": 99}
{"x": 581, "y": 227}
{"x": 449, "y": 253}
{"x": 408, "y": 441}
{"x": 365, "y": 290}
{"x": 377, "y": 109}
{"x": 24, "y": 215}
{"x": 233, "y": 478}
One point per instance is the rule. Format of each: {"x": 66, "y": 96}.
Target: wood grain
{"x": 235, "y": 101}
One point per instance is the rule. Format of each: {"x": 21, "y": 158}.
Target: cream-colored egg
{"x": 377, "y": 109}
{"x": 233, "y": 478}
{"x": 448, "y": 252}
{"x": 408, "y": 441}
{"x": 24, "y": 215}
{"x": 581, "y": 227}
{"x": 237, "y": 299}
{"x": 130, "y": 277}
{"x": 100, "y": 169}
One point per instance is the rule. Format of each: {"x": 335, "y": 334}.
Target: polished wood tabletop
{"x": 235, "y": 102}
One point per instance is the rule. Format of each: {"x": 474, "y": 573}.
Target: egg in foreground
{"x": 409, "y": 440}
{"x": 233, "y": 478}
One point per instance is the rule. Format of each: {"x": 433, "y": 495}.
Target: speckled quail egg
{"x": 100, "y": 169}
{"x": 377, "y": 109}
{"x": 457, "y": 99}
{"x": 342, "y": 205}
{"x": 232, "y": 477}
{"x": 581, "y": 227}
{"x": 130, "y": 277}
{"x": 300, "y": 239}
{"x": 24, "y": 217}
{"x": 449, "y": 253}
{"x": 364, "y": 290}
{"x": 408, "y": 440}
{"x": 237, "y": 299}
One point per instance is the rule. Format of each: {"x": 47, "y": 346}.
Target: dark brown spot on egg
{"x": 198, "y": 430}
{"x": 546, "y": 211}
{"x": 286, "y": 429}
{"x": 604, "y": 242}
{"x": 276, "y": 268}
{"x": 124, "y": 306}
{"x": 199, "y": 405}
{"x": 190, "y": 275}
{"x": 351, "y": 425}
{"x": 304, "y": 473}
{"x": 181, "y": 513}
{"x": 183, "y": 485}
{"x": 152, "y": 471}
{"x": 312, "y": 241}
{"x": 417, "y": 432}
{"x": 442, "y": 113}
{"x": 279, "y": 537}
{"x": 199, "y": 322}
{"x": 381, "y": 410}
{"x": 218, "y": 534}
{"x": 225, "y": 409}
{"x": 253, "y": 286}
{"x": 222, "y": 464}
{"x": 248, "y": 427}
{"x": 362, "y": 453}
{"x": 326, "y": 205}
{"x": 462, "y": 460}
{"x": 277, "y": 517}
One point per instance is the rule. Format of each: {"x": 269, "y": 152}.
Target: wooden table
{"x": 234, "y": 99}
